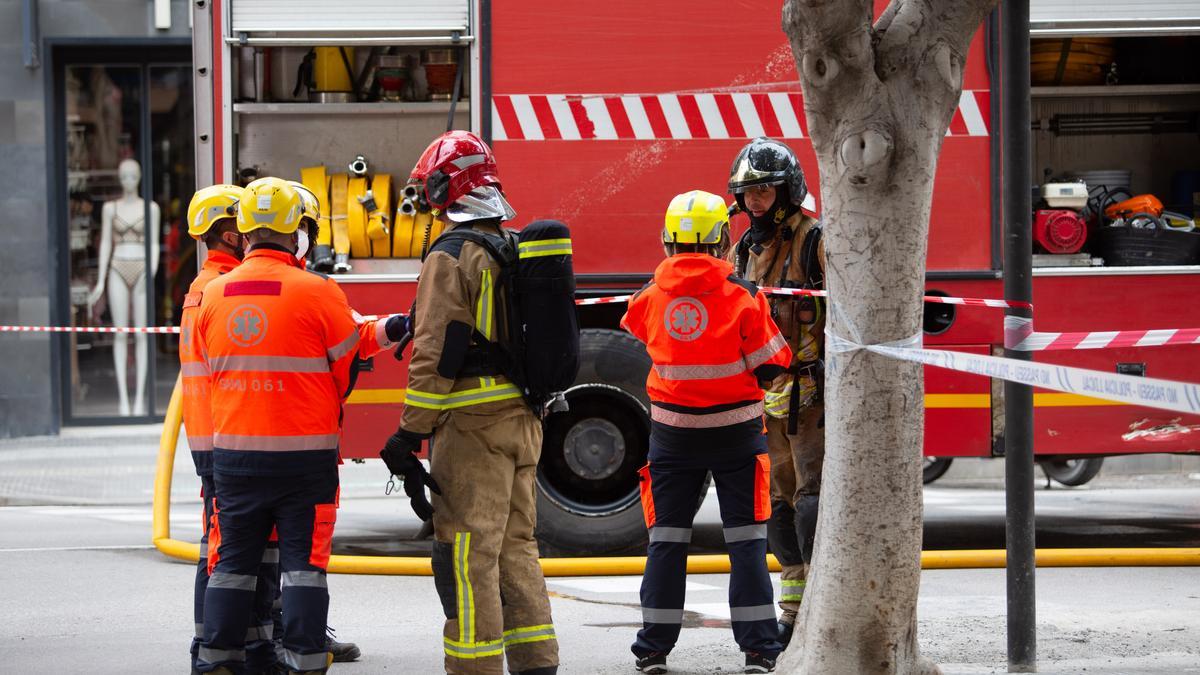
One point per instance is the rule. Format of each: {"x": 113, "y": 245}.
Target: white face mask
{"x": 301, "y": 244}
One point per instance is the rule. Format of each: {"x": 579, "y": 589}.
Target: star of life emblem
{"x": 685, "y": 319}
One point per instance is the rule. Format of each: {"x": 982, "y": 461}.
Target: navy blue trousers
{"x": 260, "y": 647}
{"x": 672, "y": 481}
{"x": 302, "y": 509}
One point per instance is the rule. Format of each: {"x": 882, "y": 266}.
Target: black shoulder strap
{"x": 815, "y": 276}
{"x": 502, "y": 247}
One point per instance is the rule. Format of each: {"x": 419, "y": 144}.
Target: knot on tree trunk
{"x": 820, "y": 69}
{"x": 863, "y": 151}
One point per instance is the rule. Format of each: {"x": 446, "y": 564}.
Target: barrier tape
{"x": 774, "y": 290}
{"x": 1150, "y": 392}
{"x": 1020, "y": 336}
{"x": 89, "y": 329}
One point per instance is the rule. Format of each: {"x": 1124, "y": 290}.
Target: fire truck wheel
{"x": 587, "y": 480}
{"x": 935, "y": 467}
{"x": 1072, "y": 472}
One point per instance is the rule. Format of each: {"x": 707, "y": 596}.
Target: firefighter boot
{"x": 806, "y": 525}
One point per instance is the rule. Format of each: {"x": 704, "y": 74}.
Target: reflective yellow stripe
{"x": 543, "y": 247}
{"x": 483, "y": 307}
{"x": 462, "y": 582}
{"x": 461, "y": 399}
{"x": 526, "y": 634}
{"x": 794, "y": 583}
{"x": 475, "y": 650}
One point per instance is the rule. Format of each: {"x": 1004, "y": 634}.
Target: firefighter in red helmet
{"x": 485, "y": 440}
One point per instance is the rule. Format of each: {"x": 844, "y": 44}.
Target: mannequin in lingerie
{"x": 122, "y": 273}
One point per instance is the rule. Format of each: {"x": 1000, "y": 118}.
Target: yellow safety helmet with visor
{"x": 312, "y": 207}
{"x": 695, "y": 217}
{"x": 272, "y": 204}
{"x": 210, "y": 205}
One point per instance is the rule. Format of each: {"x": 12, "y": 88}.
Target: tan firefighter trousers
{"x": 485, "y": 559}
{"x": 796, "y": 463}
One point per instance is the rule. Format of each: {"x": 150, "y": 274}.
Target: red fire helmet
{"x": 453, "y": 165}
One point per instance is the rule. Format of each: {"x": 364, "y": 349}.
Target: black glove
{"x": 397, "y": 327}
{"x": 400, "y": 456}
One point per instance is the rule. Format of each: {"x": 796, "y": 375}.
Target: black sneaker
{"x": 343, "y": 652}
{"x": 757, "y": 663}
{"x": 653, "y": 663}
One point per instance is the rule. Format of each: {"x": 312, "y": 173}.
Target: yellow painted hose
{"x": 633, "y": 565}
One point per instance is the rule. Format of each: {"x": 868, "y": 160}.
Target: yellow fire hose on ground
{"x": 697, "y": 564}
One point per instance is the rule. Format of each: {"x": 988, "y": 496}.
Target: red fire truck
{"x": 600, "y": 112}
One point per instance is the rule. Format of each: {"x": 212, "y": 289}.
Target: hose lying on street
{"x": 630, "y": 565}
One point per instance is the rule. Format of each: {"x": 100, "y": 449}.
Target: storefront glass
{"x": 128, "y": 133}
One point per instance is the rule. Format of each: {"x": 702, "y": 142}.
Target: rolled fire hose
{"x": 402, "y": 229}
{"x": 423, "y": 226}
{"x": 360, "y": 245}
{"x": 315, "y": 179}
{"x": 338, "y": 186}
{"x": 379, "y": 219}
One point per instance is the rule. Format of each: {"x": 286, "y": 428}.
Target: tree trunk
{"x": 879, "y": 99}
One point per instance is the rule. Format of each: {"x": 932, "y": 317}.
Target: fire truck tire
{"x": 587, "y": 480}
{"x": 935, "y": 467}
{"x": 1072, "y": 472}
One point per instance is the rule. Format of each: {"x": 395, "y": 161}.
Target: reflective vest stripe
{"x": 706, "y": 421}
{"x": 765, "y": 352}
{"x": 343, "y": 348}
{"x": 461, "y": 399}
{"x": 193, "y": 369}
{"x": 200, "y": 443}
{"x": 269, "y": 364}
{"x": 543, "y": 247}
{"x": 723, "y": 370}
{"x": 275, "y": 443}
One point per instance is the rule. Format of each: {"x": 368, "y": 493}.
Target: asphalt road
{"x": 82, "y": 590}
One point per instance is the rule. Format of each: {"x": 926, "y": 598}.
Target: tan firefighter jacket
{"x": 781, "y": 260}
{"x": 457, "y": 304}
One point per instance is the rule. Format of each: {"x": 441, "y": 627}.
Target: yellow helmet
{"x": 270, "y": 203}
{"x": 312, "y": 207}
{"x": 695, "y": 217}
{"x": 210, "y": 205}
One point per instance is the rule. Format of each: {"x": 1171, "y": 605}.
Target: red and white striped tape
{"x": 583, "y": 302}
{"x": 1020, "y": 336}
{"x": 939, "y": 299}
{"x": 682, "y": 116}
{"x": 89, "y": 329}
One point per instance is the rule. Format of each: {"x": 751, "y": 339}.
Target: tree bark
{"x": 879, "y": 99}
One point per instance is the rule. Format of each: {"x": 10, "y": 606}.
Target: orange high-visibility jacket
{"x": 197, "y": 418}
{"x": 711, "y": 338}
{"x": 280, "y": 344}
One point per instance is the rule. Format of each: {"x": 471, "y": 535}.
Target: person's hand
{"x": 400, "y": 456}
{"x": 95, "y": 296}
